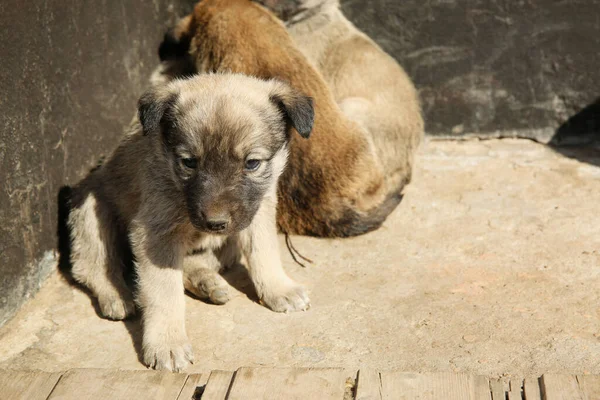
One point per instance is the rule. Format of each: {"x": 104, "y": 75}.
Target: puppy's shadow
{"x": 134, "y": 328}
{"x": 237, "y": 276}
{"x": 132, "y": 324}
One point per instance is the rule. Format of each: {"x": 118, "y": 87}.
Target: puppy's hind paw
{"x": 117, "y": 308}
{"x": 219, "y": 296}
{"x": 208, "y": 285}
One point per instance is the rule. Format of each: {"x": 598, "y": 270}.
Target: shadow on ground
{"x": 579, "y": 136}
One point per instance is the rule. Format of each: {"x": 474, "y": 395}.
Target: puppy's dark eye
{"x": 252, "y": 165}
{"x": 190, "y": 163}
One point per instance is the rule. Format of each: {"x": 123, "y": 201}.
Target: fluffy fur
{"x": 368, "y": 85}
{"x": 192, "y": 186}
{"x": 344, "y": 181}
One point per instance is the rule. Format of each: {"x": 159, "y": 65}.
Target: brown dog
{"x": 369, "y": 85}
{"x": 336, "y": 184}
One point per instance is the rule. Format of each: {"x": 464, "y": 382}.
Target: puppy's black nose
{"x": 217, "y": 225}
{"x": 215, "y": 219}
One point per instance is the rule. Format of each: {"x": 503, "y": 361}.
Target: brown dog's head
{"x": 237, "y": 35}
{"x": 289, "y": 9}
{"x": 223, "y": 138}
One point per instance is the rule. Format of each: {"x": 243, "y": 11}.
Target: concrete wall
{"x": 70, "y": 75}
{"x": 71, "y": 72}
{"x": 495, "y": 67}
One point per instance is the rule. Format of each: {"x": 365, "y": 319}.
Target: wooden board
{"x": 560, "y": 387}
{"x": 368, "y": 385}
{"x": 289, "y": 384}
{"x": 515, "y": 391}
{"x": 94, "y": 384}
{"x": 193, "y": 387}
{"x": 497, "y": 389}
{"x": 481, "y": 388}
{"x": 432, "y": 386}
{"x": 27, "y": 385}
{"x": 218, "y": 385}
{"x": 515, "y": 395}
{"x": 531, "y": 389}
{"x": 590, "y": 386}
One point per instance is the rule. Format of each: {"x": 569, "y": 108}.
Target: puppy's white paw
{"x": 116, "y": 308}
{"x": 174, "y": 355}
{"x": 207, "y": 284}
{"x": 220, "y": 295}
{"x": 287, "y": 298}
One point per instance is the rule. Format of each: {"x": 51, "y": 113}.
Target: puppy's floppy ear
{"x": 176, "y": 42}
{"x": 152, "y": 107}
{"x": 296, "y": 107}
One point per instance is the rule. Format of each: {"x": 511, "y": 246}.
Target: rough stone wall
{"x": 70, "y": 74}
{"x": 495, "y": 67}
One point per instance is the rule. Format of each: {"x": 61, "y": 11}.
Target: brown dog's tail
{"x": 354, "y": 223}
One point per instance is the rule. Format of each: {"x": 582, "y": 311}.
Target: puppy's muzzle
{"x": 216, "y": 221}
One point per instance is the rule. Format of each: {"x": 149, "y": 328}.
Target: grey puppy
{"x": 193, "y": 184}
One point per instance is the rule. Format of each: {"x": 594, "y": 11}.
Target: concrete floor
{"x": 491, "y": 265}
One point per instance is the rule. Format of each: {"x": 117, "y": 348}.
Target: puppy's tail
{"x": 354, "y": 223}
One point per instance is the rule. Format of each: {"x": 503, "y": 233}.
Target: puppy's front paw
{"x": 174, "y": 355}
{"x": 116, "y": 308}
{"x": 288, "y": 298}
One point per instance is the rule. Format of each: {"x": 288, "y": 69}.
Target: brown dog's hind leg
{"x": 395, "y": 138}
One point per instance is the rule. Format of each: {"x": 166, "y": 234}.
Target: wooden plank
{"x": 368, "y": 385}
{"x": 515, "y": 391}
{"x": 94, "y": 384}
{"x": 560, "y": 387}
{"x": 514, "y": 395}
{"x": 590, "y": 386}
{"x": 193, "y": 387}
{"x": 497, "y": 389}
{"x": 481, "y": 388}
{"x": 431, "y": 386}
{"x": 218, "y": 385}
{"x": 531, "y": 389}
{"x": 30, "y": 385}
{"x": 289, "y": 383}
{"x": 515, "y": 385}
